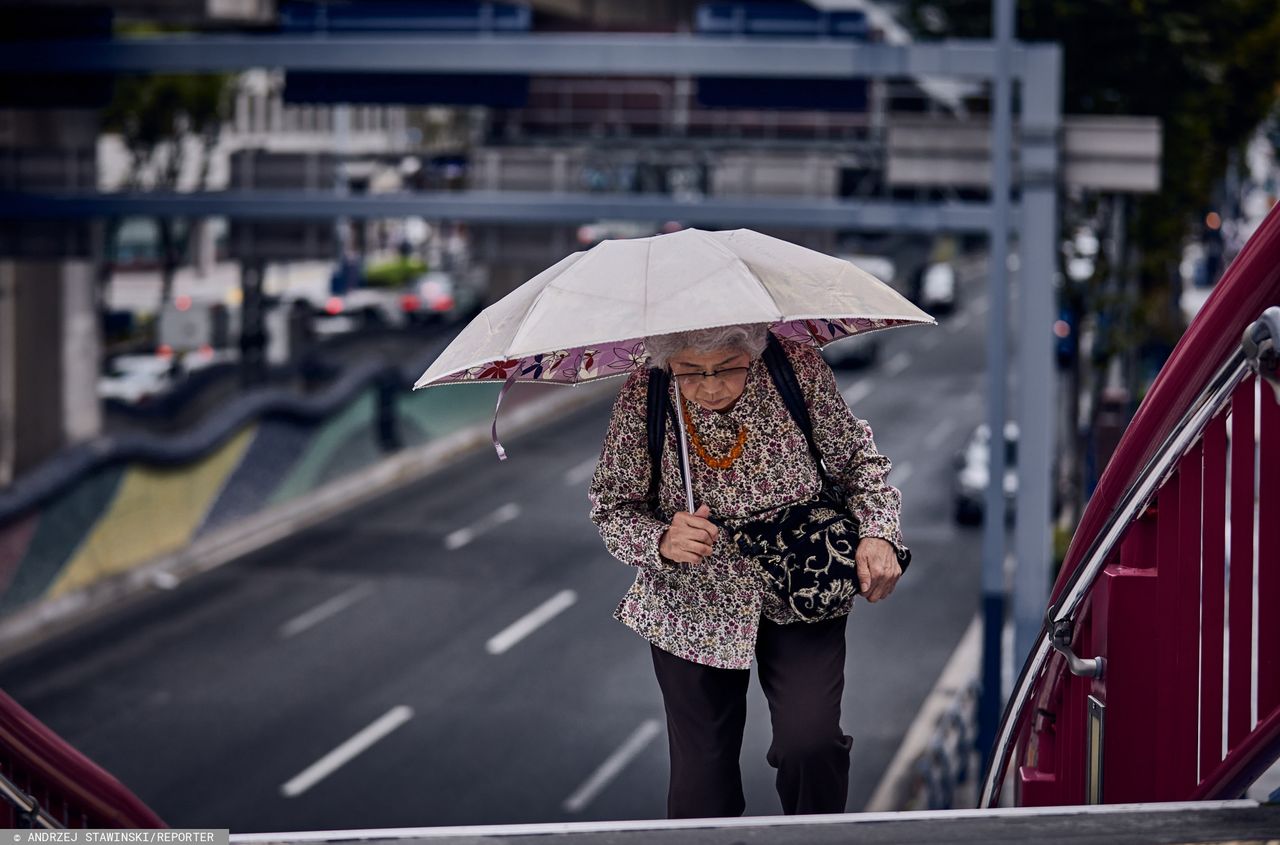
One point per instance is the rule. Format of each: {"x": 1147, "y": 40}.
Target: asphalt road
{"x": 366, "y": 674}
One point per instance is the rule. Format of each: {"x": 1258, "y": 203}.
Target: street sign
{"x": 1115, "y": 154}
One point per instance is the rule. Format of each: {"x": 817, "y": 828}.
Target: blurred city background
{"x": 234, "y": 543}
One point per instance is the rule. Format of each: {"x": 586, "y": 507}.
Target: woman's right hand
{"x": 690, "y": 537}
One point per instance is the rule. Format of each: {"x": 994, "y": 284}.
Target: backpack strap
{"x": 658, "y": 403}
{"x": 784, "y": 379}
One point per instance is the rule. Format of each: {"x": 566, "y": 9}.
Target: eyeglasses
{"x": 687, "y": 380}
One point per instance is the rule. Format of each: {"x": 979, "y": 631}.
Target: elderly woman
{"x": 703, "y": 607}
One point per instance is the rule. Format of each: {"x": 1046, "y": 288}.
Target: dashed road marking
{"x": 901, "y": 473}
{"x": 579, "y": 473}
{"x": 614, "y": 765}
{"x": 934, "y": 438}
{"x": 960, "y": 322}
{"x": 347, "y": 751}
{"x": 898, "y": 363}
{"x": 323, "y": 611}
{"x": 858, "y": 391}
{"x": 462, "y": 536}
{"x": 530, "y": 622}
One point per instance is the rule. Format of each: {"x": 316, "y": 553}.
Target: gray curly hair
{"x": 746, "y": 337}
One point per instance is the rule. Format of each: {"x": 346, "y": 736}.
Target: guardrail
{"x": 1171, "y": 587}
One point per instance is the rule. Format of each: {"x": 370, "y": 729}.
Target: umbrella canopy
{"x": 586, "y": 316}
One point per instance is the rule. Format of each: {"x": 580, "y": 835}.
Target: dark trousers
{"x": 801, "y": 669}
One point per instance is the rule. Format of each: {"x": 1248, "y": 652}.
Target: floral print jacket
{"x": 709, "y": 613}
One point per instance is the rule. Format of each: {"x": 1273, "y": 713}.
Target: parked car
{"x": 134, "y": 379}
{"x": 438, "y": 296}
{"x": 362, "y": 308}
{"x": 973, "y": 471}
{"x": 935, "y": 288}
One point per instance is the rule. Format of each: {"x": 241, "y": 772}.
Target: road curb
{"x": 46, "y": 619}
{"x": 893, "y": 791}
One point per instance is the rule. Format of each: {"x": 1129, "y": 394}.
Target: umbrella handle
{"x": 493, "y": 431}
{"x": 684, "y": 447}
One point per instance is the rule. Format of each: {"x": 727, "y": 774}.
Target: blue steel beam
{"x": 582, "y": 54}
{"x": 504, "y": 207}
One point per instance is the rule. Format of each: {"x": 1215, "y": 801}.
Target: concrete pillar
{"x": 49, "y": 331}
{"x": 49, "y": 352}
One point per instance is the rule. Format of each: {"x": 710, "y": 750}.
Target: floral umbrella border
{"x": 574, "y": 366}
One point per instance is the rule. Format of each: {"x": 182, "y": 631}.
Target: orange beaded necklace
{"x": 701, "y": 450}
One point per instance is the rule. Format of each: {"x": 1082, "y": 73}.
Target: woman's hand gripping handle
{"x": 690, "y": 537}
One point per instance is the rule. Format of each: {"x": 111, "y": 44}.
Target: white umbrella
{"x": 586, "y": 316}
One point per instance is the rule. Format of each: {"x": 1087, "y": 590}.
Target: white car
{"x": 938, "y": 287}
{"x": 134, "y": 379}
{"x": 365, "y": 307}
{"x": 438, "y": 296}
{"x": 973, "y": 472}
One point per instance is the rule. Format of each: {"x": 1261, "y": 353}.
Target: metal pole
{"x": 342, "y": 234}
{"x": 1037, "y": 419}
{"x": 993, "y": 546}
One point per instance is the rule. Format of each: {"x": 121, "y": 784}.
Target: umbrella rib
{"x": 648, "y": 256}
{"x": 506, "y": 350}
{"x": 537, "y": 297}
{"x": 734, "y": 257}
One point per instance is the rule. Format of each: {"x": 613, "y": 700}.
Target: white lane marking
{"x": 858, "y": 391}
{"x": 581, "y": 472}
{"x": 960, "y": 322}
{"x": 901, "y": 473}
{"x": 962, "y": 665}
{"x": 611, "y": 767}
{"x": 323, "y": 611}
{"x": 462, "y": 536}
{"x": 344, "y": 753}
{"x": 527, "y": 624}
{"x": 939, "y": 433}
{"x": 898, "y": 363}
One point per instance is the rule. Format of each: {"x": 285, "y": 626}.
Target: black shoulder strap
{"x": 658, "y": 403}
{"x": 784, "y": 378}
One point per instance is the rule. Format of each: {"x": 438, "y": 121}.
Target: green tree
{"x": 1209, "y": 71}
{"x": 156, "y": 116}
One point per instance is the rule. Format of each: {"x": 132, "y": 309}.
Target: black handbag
{"x": 806, "y": 554}
{"x": 806, "y": 550}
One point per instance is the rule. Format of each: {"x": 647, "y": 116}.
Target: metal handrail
{"x": 1182, "y": 436}
{"x": 26, "y": 805}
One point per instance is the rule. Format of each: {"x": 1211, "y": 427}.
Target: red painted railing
{"x": 1173, "y": 579}
{"x": 69, "y": 789}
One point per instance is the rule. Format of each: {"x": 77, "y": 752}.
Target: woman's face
{"x": 719, "y": 392}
